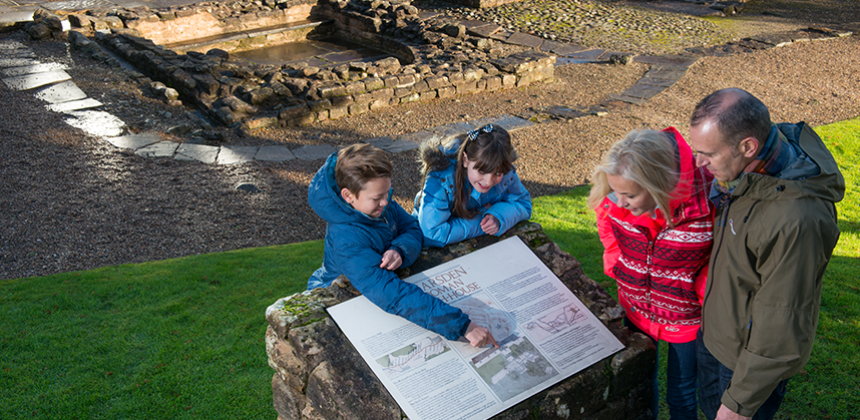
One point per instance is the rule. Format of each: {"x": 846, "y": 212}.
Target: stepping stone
{"x": 233, "y": 155}
{"x": 31, "y": 81}
{"x": 678, "y": 60}
{"x": 160, "y": 149}
{"x": 471, "y": 23}
{"x": 525, "y": 40}
{"x": 425, "y": 135}
{"x": 74, "y": 105}
{"x": 96, "y": 123}
{"x": 568, "y": 49}
{"x": 398, "y": 145}
{"x": 510, "y": 122}
{"x": 588, "y": 55}
{"x": 454, "y": 129}
{"x": 15, "y": 17}
{"x": 8, "y": 61}
{"x": 502, "y": 35}
{"x": 643, "y": 91}
{"x": 198, "y": 152}
{"x": 321, "y": 151}
{"x": 484, "y": 31}
{"x": 628, "y": 99}
{"x": 35, "y": 68}
{"x": 135, "y": 141}
{"x": 567, "y": 113}
{"x": 665, "y": 73}
{"x": 274, "y": 154}
{"x": 777, "y": 40}
{"x": 61, "y": 92}
{"x": 653, "y": 81}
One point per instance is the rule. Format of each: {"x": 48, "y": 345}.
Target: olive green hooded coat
{"x": 772, "y": 243}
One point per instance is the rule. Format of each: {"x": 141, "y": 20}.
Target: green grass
{"x": 183, "y": 338}
{"x": 171, "y": 339}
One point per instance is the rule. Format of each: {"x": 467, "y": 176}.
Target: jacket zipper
{"x": 722, "y": 225}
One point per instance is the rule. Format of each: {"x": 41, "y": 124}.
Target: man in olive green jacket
{"x": 775, "y": 189}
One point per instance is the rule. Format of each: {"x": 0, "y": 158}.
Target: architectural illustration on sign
{"x": 412, "y": 356}
{"x": 553, "y": 323}
{"x": 514, "y": 367}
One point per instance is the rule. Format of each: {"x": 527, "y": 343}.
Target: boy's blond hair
{"x": 359, "y": 163}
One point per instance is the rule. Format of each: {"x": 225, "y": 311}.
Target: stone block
{"x": 415, "y": 96}
{"x": 160, "y": 149}
{"x": 32, "y": 81}
{"x": 198, "y": 152}
{"x": 134, "y": 141}
{"x": 342, "y": 101}
{"x": 314, "y": 152}
{"x": 275, "y": 153}
{"x": 338, "y": 112}
{"x": 234, "y": 155}
{"x": 466, "y": 87}
{"x": 446, "y": 91}
{"x": 382, "y": 93}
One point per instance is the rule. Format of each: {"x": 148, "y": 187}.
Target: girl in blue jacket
{"x": 470, "y": 188}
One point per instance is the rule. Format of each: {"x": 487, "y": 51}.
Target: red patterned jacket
{"x": 661, "y": 271}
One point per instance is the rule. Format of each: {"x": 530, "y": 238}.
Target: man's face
{"x": 372, "y": 199}
{"x": 724, "y": 161}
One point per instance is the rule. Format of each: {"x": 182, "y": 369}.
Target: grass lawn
{"x": 183, "y": 338}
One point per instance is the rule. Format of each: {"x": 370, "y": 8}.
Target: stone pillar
{"x": 319, "y": 375}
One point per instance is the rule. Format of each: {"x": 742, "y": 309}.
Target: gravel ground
{"x": 71, "y": 202}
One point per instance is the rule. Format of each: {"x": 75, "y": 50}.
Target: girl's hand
{"x": 490, "y": 225}
{"x": 391, "y": 260}
{"x": 479, "y": 336}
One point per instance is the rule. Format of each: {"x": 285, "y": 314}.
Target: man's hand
{"x": 391, "y": 260}
{"x": 479, "y": 336}
{"x": 725, "y": 414}
{"x": 490, "y": 225}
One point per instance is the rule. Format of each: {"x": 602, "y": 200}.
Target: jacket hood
{"x": 437, "y": 153}
{"x": 324, "y": 198}
{"x": 814, "y": 174}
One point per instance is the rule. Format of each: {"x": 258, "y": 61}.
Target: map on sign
{"x": 545, "y": 334}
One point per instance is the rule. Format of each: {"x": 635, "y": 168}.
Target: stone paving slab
{"x": 777, "y": 40}
{"x": 314, "y": 152}
{"x": 485, "y": 31}
{"x": 74, "y": 105}
{"x": 160, "y": 149}
{"x": 653, "y": 81}
{"x": 591, "y": 55}
{"x": 198, "y": 152}
{"x": 424, "y": 135}
{"x": 32, "y": 81}
{"x": 135, "y": 141}
{"x": 525, "y": 40}
{"x": 657, "y": 73}
{"x": 627, "y": 99}
{"x": 274, "y": 154}
{"x": 15, "y": 17}
{"x": 234, "y": 155}
{"x": 643, "y": 91}
{"x": 61, "y": 92}
{"x": 471, "y": 23}
{"x": 8, "y": 61}
{"x": 397, "y": 145}
{"x": 452, "y": 129}
{"x": 96, "y": 123}
{"x": 34, "y": 68}
{"x": 568, "y": 49}
{"x": 679, "y": 60}
{"x": 510, "y": 122}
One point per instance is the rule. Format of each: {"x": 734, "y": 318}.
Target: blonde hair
{"x": 646, "y": 157}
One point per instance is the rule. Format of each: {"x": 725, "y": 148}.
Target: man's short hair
{"x": 737, "y": 113}
{"x": 359, "y": 163}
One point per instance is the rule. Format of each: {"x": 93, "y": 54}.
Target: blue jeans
{"x": 680, "y": 379}
{"x": 714, "y": 379}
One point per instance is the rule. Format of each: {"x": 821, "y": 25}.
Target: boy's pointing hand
{"x": 391, "y": 260}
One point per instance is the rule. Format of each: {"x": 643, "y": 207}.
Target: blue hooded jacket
{"x": 509, "y": 200}
{"x": 354, "y": 244}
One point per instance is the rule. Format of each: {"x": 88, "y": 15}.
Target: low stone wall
{"x": 436, "y": 59}
{"x": 319, "y": 375}
{"x": 481, "y": 4}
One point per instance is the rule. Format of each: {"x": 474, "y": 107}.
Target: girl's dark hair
{"x": 491, "y": 149}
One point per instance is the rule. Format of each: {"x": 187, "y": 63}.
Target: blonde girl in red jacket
{"x": 656, "y": 224}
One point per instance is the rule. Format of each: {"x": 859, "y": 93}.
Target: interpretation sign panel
{"x": 545, "y": 335}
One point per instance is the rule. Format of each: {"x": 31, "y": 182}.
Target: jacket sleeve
{"x": 515, "y": 205}
{"x": 438, "y": 225}
{"x": 409, "y": 238}
{"x": 611, "y": 251}
{"x": 395, "y": 296}
{"x": 784, "y": 310}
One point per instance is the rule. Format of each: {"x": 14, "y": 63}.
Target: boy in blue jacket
{"x": 368, "y": 236}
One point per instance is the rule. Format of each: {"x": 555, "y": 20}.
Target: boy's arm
{"x": 438, "y": 225}
{"x": 409, "y": 237}
{"x": 515, "y": 206}
{"x": 395, "y": 296}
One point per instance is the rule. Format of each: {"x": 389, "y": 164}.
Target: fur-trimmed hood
{"x": 437, "y": 153}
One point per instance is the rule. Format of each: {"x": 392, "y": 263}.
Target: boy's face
{"x": 372, "y": 199}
